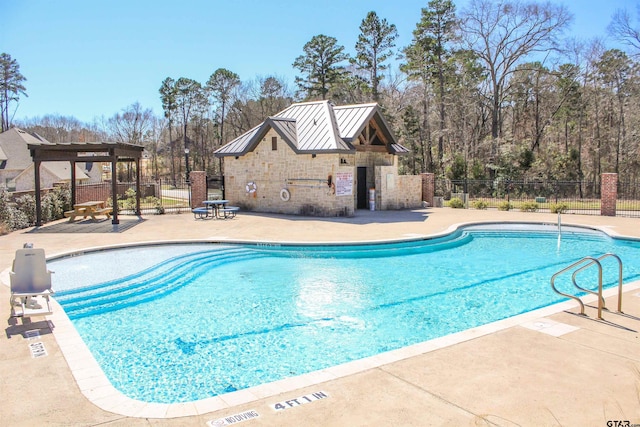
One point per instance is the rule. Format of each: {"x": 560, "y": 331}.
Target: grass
{"x": 169, "y": 202}
{"x": 574, "y": 205}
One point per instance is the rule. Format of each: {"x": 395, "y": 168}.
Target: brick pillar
{"x": 428, "y": 187}
{"x": 198, "y": 188}
{"x": 608, "y": 194}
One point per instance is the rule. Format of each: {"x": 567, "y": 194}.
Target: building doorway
{"x": 362, "y": 188}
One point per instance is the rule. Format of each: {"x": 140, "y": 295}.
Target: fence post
{"x": 198, "y": 188}
{"x": 428, "y": 187}
{"x": 608, "y": 194}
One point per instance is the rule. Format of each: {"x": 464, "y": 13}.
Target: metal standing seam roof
{"x": 353, "y": 118}
{"x": 311, "y": 127}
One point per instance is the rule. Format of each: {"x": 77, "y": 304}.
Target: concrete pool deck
{"x": 555, "y": 369}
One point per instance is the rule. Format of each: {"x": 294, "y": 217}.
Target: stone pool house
{"x": 316, "y": 158}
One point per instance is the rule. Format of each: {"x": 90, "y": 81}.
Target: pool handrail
{"x": 575, "y": 264}
{"x": 600, "y": 258}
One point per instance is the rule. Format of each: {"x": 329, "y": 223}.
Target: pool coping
{"x": 95, "y": 386}
{"x": 413, "y": 237}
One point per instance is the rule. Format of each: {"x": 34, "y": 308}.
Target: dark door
{"x": 362, "y": 188}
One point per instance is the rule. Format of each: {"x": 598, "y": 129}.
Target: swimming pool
{"x": 191, "y": 321}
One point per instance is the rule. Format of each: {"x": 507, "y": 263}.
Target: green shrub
{"x": 157, "y": 204}
{"x": 55, "y": 202}
{"x": 10, "y": 214}
{"x": 480, "y": 204}
{"x": 559, "y": 207}
{"x": 128, "y": 202}
{"x": 505, "y": 206}
{"x": 22, "y": 213}
{"x": 27, "y": 207}
{"x": 456, "y": 203}
{"x": 529, "y": 207}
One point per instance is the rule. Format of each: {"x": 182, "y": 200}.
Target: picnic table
{"x": 89, "y": 209}
{"x": 215, "y": 209}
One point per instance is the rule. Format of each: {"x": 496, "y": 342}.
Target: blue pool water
{"x": 185, "y": 322}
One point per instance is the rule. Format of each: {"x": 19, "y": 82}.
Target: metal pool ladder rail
{"x": 583, "y": 264}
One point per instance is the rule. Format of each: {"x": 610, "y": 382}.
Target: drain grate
{"x": 32, "y": 334}
{"x": 37, "y": 349}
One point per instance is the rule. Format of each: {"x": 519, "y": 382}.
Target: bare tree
{"x": 153, "y": 139}
{"x": 131, "y": 125}
{"x": 503, "y": 33}
{"x": 274, "y": 95}
{"x": 623, "y": 30}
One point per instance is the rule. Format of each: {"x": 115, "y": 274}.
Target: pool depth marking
{"x": 292, "y": 403}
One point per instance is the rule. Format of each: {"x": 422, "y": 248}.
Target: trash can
{"x": 372, "y": 199}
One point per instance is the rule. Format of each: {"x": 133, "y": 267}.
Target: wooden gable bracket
{"x": 366, "y": 138}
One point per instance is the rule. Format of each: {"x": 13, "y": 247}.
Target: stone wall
{"x": 395, "y": 191}
{"x": 254, "y": 182}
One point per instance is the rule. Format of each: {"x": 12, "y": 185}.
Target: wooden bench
{"x": 73, "y": 214}
{"x": 228, "y": 212}
{"x": 105, "y": 211}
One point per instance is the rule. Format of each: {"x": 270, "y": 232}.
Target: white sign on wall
{"x": 344, "y": 183}
{"x": 391, "y": 182}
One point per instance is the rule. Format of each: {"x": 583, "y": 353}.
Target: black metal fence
{"x": 628, "y": 203}
{"x": 578, "y": 197}
{"x": 156, "y": 196}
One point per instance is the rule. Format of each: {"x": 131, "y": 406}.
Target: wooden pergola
{"x": 75, "y": 152}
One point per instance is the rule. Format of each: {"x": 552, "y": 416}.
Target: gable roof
{"x": 61, "y": 171}
{"x": 314, "y": 127}
{"x": 13, "y": 146}
{"x": 352, "y": 120}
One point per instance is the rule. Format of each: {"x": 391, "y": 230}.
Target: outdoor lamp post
{"x": 186, "y": 161}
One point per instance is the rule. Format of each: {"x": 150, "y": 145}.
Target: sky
{"x": 92, "y": 59}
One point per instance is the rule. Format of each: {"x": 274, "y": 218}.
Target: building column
{"x": 428, "y": 187}
{"x": 198, "y": 181}
{"x": 608, "y": 194}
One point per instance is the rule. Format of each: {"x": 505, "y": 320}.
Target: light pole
{"x": 186, "y": 161}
